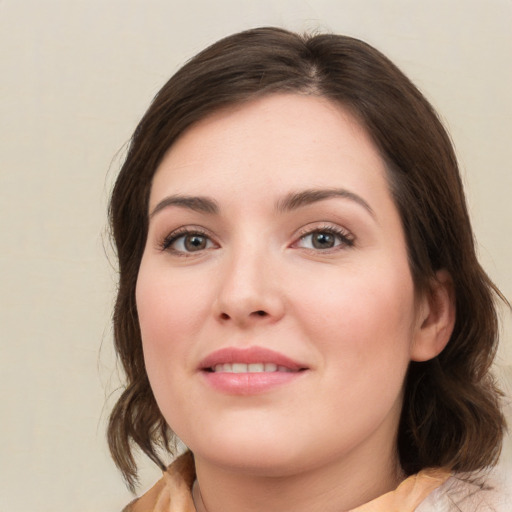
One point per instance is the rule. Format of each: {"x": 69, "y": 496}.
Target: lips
{"x": 249, "y": 371}
{"x": 249, "y": 360}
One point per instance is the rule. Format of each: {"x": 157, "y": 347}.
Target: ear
{"x": 436, "y": 318}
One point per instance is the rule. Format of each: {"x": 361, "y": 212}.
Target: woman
{"x": 299, "y": 297}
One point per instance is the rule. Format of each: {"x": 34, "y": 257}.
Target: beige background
{"x": 75, "y": 77}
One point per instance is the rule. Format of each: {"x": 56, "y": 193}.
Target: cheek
{"x": 363, "y": 318}
{"x": 168, "y": 303}
{"x": 169, "y": 313}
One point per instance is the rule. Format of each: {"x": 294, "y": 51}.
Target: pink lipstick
{"x": 249, "y": 371}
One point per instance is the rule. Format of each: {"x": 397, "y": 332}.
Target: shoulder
{"x": 470, "y": 493}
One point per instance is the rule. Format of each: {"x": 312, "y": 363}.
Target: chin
{"x": 254, "y": 454}
{"x": 258, "y": 463}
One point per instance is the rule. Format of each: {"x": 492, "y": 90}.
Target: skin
{"x": 349, "y": 314}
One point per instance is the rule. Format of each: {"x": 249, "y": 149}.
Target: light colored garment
{"x": 468, "y": 494}
{"x": 431, "y": 490}
{"x": 173, "y": 492}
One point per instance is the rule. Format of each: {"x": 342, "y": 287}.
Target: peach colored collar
{"x": 409, "y": 494}
{"x": 173, "y": 492}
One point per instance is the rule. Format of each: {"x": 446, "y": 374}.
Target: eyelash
{"x": 345, "y": 237}
{"x": 180, "y": 233}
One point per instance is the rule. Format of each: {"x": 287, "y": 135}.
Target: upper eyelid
{"x": 303, "y": 231}
{"x": 348, "y": 238}
{"x": 165, "y": 242}
{"x": 324, "y": 226}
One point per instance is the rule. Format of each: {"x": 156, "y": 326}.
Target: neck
{"x": 332, "y": 487}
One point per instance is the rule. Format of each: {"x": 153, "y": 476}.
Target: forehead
{"x": 271, "y": 144}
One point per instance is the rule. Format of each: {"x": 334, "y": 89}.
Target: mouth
{"x": 249, "y": 371}
{"x": 249, "y": 360}
{"x": 249, "y": 368}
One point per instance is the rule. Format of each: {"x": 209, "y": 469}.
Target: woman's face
{"x": 275, "y": 299}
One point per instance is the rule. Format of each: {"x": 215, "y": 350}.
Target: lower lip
{"x": 249, "y": 383}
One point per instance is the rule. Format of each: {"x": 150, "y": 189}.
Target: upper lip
{"x": 249, "y": 355}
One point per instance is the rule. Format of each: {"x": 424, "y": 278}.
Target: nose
{"x": 249, "y": 290}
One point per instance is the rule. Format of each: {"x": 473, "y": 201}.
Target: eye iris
{"x": 195, "y": 242}
{"x": 323, "y": 240}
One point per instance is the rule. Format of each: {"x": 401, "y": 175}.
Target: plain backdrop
{"x": 75, "y": 77}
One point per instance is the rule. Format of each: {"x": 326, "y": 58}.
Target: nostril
{"x": 260, "y": 313}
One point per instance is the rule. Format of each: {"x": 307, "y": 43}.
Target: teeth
{"x": 249, "y": 368}
{"x": 239, "y": 368}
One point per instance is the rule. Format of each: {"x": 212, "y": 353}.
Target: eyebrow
{"x": 297, "y": 200}
{"x": 197, "y": 203}
{"x": 292, "y": 201}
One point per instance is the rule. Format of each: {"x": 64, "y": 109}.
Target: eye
{"x": 325, "y": 239}
{"x": 187, "y": 242}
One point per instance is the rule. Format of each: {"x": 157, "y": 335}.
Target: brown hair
{"x": 451, "y": 415}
